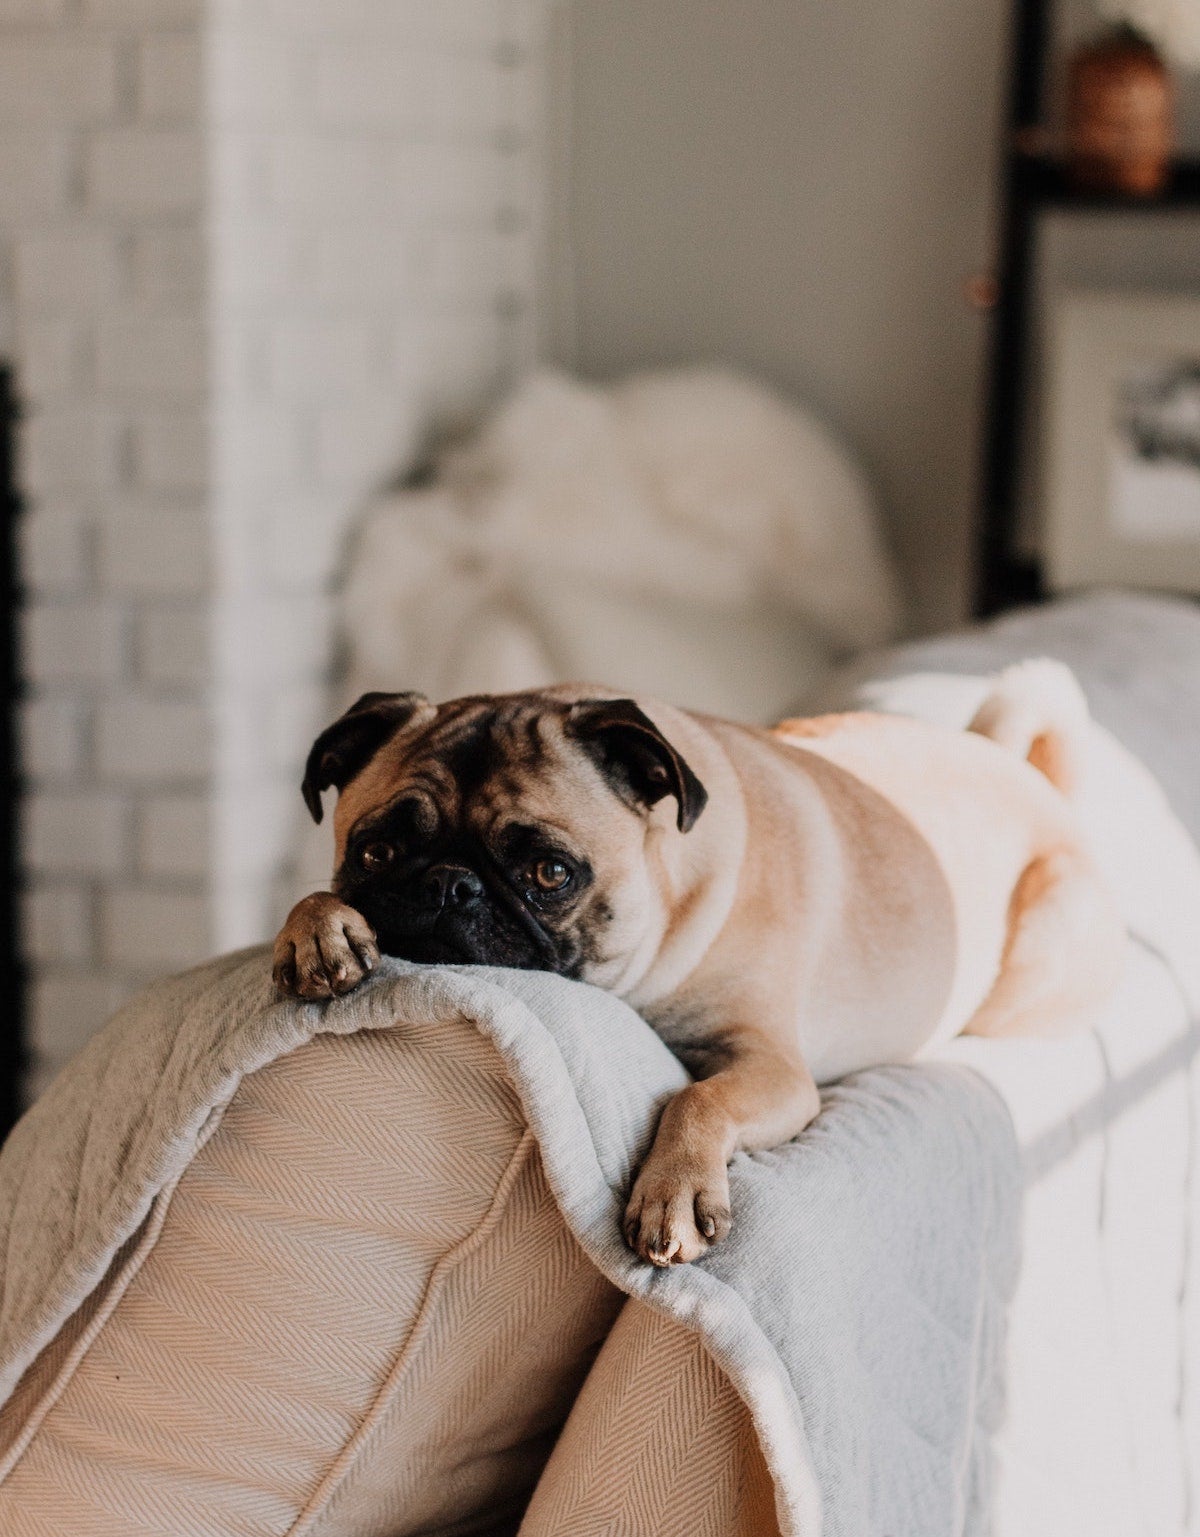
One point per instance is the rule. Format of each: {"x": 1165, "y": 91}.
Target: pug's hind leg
{"x": 679, "y": 1205}
{"x": 1063, "y": 956}
{"x": 324, "y": 948}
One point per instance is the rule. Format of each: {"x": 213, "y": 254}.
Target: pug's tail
{"x": 1038, "y": 710}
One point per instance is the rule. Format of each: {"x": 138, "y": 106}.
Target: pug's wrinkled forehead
{"x": 474, "y": 761}
{"x": 552, "y": 753}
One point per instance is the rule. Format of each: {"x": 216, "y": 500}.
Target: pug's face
{"x": 510, "y": 830}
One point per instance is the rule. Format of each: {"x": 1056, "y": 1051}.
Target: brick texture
{"x": 55, "y": 551}
{"x": 75, "y": 642}
{"x": 52, "y": 740}
{"x": 145, "y": 170}
{"x": 58, "y": 923}
{"x": 35, "y": 173}
{"x": 65, "y": 271}
{"x": 57, "y": 79}
{"x": 174, "y": 838}
{"x": 157, "y": 550}
{"x": 249, "y": 252}
{"x": 154, "y": 739}
{"x": 77, "y": 832}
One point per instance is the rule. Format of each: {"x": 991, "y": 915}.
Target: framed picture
{"x": 1122, "y": 453}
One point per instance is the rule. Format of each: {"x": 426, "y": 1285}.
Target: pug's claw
{"x": 676, "y": 1213}
{"x": 663, "y": 1256}
{"x": 283, "y": 973}
{"x": 362, "y": 942}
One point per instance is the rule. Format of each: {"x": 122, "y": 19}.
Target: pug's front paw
{"x": 324, "y": 948}
{"x": 678, "y": 1210}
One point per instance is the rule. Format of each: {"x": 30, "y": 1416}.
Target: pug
{"x": 783, "y": 906}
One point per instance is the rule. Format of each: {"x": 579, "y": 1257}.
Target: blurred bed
{"x": 684, "y": 534}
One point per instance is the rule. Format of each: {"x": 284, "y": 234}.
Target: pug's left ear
{"x": 354, "y": 739}
{"x": 635, "y": 757}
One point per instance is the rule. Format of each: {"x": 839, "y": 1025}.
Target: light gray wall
{"x": 801, "y": 187}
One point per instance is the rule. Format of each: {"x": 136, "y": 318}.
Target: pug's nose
{"x": 450, "y": 886}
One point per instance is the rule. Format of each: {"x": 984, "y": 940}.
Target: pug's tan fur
{"x": 857, "y": 888}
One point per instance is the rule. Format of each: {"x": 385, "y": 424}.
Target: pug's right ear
{"x": 354, "y": 739}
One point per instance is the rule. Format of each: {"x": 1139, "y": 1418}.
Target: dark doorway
{"x": 12, "y": 968}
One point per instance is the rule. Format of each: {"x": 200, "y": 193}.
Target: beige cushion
{"x": 359, "y": 1312}
{"x": 658, "y": 1445}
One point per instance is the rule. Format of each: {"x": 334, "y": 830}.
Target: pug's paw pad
{"x": 674, "y": 1217}
{"x": 324, "y": 949}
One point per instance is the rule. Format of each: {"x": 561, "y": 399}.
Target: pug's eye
{"x": 376, "y": 856}
{"x": 550, "y": 874}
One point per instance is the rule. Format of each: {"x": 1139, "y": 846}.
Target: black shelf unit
{"x": 12, "y": 969}
{"x": 1033, "y": 182}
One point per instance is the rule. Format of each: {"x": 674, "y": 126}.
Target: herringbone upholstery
{"x": 657, "y": 1445}
{"x": 359, "y": 1314}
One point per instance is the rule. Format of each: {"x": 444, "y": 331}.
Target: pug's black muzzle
{"x": 447, "y": 912}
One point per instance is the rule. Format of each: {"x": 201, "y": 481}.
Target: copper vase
{"x": 1120, "y": 116}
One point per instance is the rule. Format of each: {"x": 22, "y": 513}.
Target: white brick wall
{"x": 68, "y": 445}
{"x": 370, "y": 152}
{"x": 140, "y": 14}
{"x": 58, "y": 923}
{"x": 157, "y": 355}
{"x": 102, "y": 247}
{"x": 53, "y": 350}
{"x": 152, "y": 928}
{"x": 66, "y": 1007}
{"x": 77, "y": 832}
{"x": 55, "y": 548}
{"x": 31, "y": 10}
{"x": 250, "y": 250}
{"x": 52, "y": 738}
{"x": 155, "y": 549}
{"x": 174, "y": 645}
{"x": 169, "y": 77}
{"x": 57, "y": 79}
{"x": 75, "y": 642}
{"x": 167, "y": 267}
{"x": 35, "y": 173}
{"x": 174, "y": 837}
{"x": 153, "y": 739}
{"x": 68, "y": 270}
{"x": 169, "y": 450}
{"x": 145, "y": 170}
